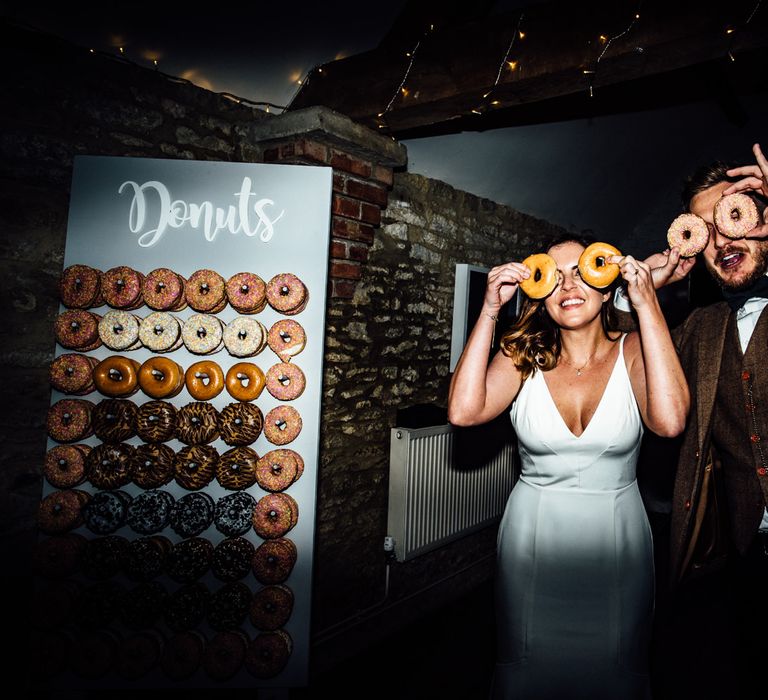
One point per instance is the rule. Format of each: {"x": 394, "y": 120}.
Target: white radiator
{"x": 436, "y": 494}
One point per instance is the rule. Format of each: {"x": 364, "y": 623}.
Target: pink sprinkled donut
{"x": 80, "y": 287}
{"x": 246, "y": 292}
{"x": 163, "y": 290}
{"x": 76, "y": 329}
{"x": 689, "y": 233}
{"x": 64, "y": 465}
{"x": 736, "y": 215}
{"x": 287, "y": 294}
{"x": 285, "y": 381}
{"x": 72, "y": 374}
{"x": 282, "y": 425}
{"x": 286, "y": 338}
{"x": 206, "y": 291}
{"x": 121, "y": 287}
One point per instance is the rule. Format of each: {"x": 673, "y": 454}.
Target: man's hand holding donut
{"x": 754, "y": 179}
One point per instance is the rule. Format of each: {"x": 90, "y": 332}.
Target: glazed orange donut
{"x": 204, "y": 380}
{"x": 161, "y": 377}
{"x": 245, "y": 381}
{"x": 689, "y": 233}
{"x": 593, "y": 268}
{"x": 543, "y": 277}
{"x": 116, "y": 376}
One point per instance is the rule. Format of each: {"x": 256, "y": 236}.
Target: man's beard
{"x": 760, "y": 256}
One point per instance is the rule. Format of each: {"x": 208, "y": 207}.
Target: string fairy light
{"x": 732, "y": 32}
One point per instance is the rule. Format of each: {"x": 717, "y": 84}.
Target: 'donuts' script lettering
{"x": 152, "y": 211}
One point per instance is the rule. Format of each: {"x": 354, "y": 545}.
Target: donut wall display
{"x": 176, "y": 519}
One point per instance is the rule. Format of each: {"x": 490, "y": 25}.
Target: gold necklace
{"x": 579, "y": 369}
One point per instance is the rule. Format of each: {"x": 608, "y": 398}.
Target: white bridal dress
{"x": 575, "y": 578}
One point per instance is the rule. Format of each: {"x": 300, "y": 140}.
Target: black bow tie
{"x": 737, "y": 299}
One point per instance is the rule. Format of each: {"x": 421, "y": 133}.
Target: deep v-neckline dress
{"x": 575, "y": 571}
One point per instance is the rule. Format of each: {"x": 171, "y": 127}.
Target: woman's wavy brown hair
{"x": 533, "y": 341}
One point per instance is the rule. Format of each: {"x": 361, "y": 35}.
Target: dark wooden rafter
{"x": 561, "y": 54}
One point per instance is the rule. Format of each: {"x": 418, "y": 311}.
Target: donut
{"x": 69, "y": 420}
{"x": 104, "y": 557}
{"x": 114, "y": 420}
{"x": 245, "y": 337}
{"x": 282, "y": 425}
{"x": 117, "y": 376}
{"x": 61, "y": 511}
{"x": 689, "y": 233}
{"x": 594, "y": 269}
{"x": 543, "y": 277}
{"x": 192, "y": 514}
{"x": 246, "y": 293}
{"x": 271, "y": 607}
{"x": 204, "y": 380}
{"x": 229, "y": 606}
{"x": 233, "y": 514}
{"x": 149, "y": 511}
{"x": 287, "y": 294}
{"x": 111, "y": 465}
{"x": 161, "y": 377}
{"x": 277, "y": 470}
{"x": 286, "y": 338}
{"x": 119, "y": 330}
{"x": 98, "y": 604}
{"x": 65, "y": 465}
{"x": 156, "y": 421}
{"x": 142, "y": 606}
{"x": 58, "y": 556}
{"x": 163, "y": 290}
{"x": 153, "y": 465}
{"x": 205, "y": 291}
{"x": 244, "y": 381}
{"x": 182, "y": 655}
{"x": 232, "y": 559}
{"x": 274, "y": 560}
{"x": 203, "y": 334}
{"x": 80, "y": 287}
{"x": 94, "y": 653}
{"x": 138, "y": 654}
{"x": 268, "y": 654}
{"x": 160, "y": 332}
{"x": 195, "y": 466}
{"x": 145, "y": 557}
{"x": 189, "y": 560}
{"x": 225, "y": 654}
{"x": 121, "y": 288}
{"x": 236, "y": 468}
{"x": 274, "y": 515}
{"x": 72, "y": 373}
{"x": 285, "y": 381}
{"x": 77, "y": 329}
{"x": 197, "y": 423}
{"x": 736, "y": 215}
{"x": 240, "y": 423}
{"x": 187, "y": 607}
{"x": 106, "y": 511}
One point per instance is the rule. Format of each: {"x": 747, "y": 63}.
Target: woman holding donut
{"x": 575, "y": 576}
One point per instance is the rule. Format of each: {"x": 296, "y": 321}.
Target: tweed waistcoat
{"x": 740, "y": 429}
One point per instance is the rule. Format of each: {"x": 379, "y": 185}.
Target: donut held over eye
{"x": 736, "y": 215}
{"x": 688, "y": 233}
{"x": 543, "y": 277}
{"x": 594, "y": 269}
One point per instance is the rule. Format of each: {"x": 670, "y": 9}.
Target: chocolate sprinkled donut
{"x": 277, "y": 470}
{"x": 236, "y": 468}
{"x": 274, "y": 515}
{"x": 156, "y": 421}
{"x": 69, "y": 420}
{"x": 121, "y": 288}
{"x": 282, "y": 425}
{"x": 149, "y": 511}
{"x": 114, "y": 420}
{"x": 233, "y": 514}
{"x": 145, "y": 557}
{"x": 240, "y": 423}
{"x": 104, "y": 557}
{"x": 65, "y": 465}
{"x": 271, "y": 607}
{"x": 268, "y": 654}
{"x": 138, "y": 654}
{"x": 192, "y": 514}
{"x": 143, "y": 605}
{"x": 77, "y": 329}
{"x": 71, "y": 373}
{"x": 80, "y": 287}
{"x": 229, "y": 606}
{"x": 61, "y": 511}
{"x": 189, "y": 559}
{"x": 274, "y": 560}
{"x": 153, "y": 465}
{"x": 187, "y": 606}
{"x": 58, "y": 556}
{"x": 232, "y": 559}
{"x": 182, "y": 654}
{"x": 225, "y": 654}
{"x": 195, "y": 466}
{"x": 197, "y": 423}
{"x": 111, "y": 465}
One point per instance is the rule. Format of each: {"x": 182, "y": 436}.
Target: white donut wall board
{"x": 149, "y": 213}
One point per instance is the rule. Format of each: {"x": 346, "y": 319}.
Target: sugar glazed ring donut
{"x": 204, "y": 380}
{"x": 197, "y": 423}
{"x": 274, "y": 560}
{"x": 268, "y": 654}
{"x": 271, "y": 607}
{"x": 245, "y": 337}
{"x": 245, "y": 381}
{"x": 76, "y": 329}
{"x": 282, "y": 425}
{"x": 206, "y": 291}
{"x": 161, "y": 377}
{"x": 163, "y": 290}
{"x": 594, "y": 269}
{"x": 203, "y": 334}
{"x": 72, "y": 373}
{"x": 153, "y": 465}
{"x": 64, "y": 466}
{"x": 277, "y": 470}
{"x": 117, "y": 376}
{"x": 119, "y": 330}
{"x": 286, "y": 338}
{"x": 156, "y": 421}
{"x": 240, "y": 423}
{"x": 195, "y": 466}
{"x": 236, "y": 468}
{"x": 121, "y": 288}
{"x": 80, "y": 287}
{"x": 61, "y": 511}
{"x": 160, "y": 332}
{"x": 285, "y": 381}
{"x": 736, "y": 215}
{"x": 274, "y": 515}
{"x": 69, "y": 420}
{"x": 287, "y": 294}
{"x": 246, "y": 293}
{"x": 114, "y": 420}
{"x": 543, "y": 277}
{"x": 689, "y": 233}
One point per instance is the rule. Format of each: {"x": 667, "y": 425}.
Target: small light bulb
{"x": 521, "y": 35}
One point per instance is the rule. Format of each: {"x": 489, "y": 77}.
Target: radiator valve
{"x": 389, "y": 544}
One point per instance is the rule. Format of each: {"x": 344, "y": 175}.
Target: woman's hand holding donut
{"x": 503, "y": 281}
{"x": 638, "y": 279}
{"x": 754, "y": 179}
